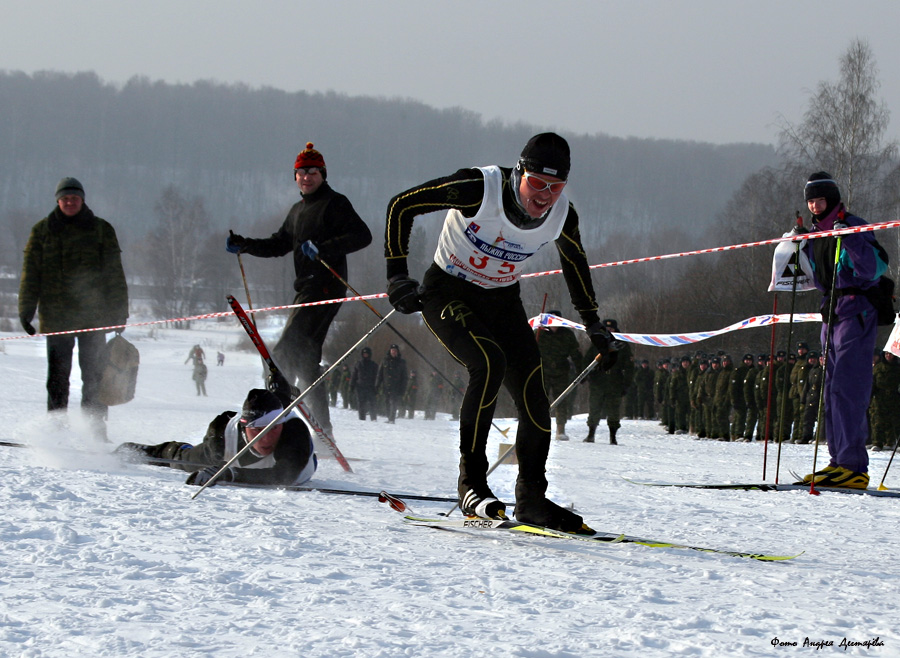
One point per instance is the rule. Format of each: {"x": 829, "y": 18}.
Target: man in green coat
{"x": 607, "y": 388}
{"x": 559, "y": 353}
{"x": 72, "y": 277}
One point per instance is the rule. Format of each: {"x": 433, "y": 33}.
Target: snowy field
{"x": 102, "y": 558}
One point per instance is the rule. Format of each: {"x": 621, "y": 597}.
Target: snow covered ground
{"x": 102, "y": 558}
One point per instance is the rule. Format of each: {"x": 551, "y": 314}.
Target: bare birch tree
{"x": 843, "y": 131}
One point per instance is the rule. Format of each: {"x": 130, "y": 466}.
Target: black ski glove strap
{"x": 403, "y": 293}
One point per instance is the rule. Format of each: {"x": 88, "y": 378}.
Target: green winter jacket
{"x": 72, "y": 274}
{"x": 559, "y": 351}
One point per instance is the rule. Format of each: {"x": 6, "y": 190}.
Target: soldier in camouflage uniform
{"x": 348, "y": 400}
{"x": 781, "y": 411}
{"x": 810, "y": 395}
{"x": 607, "y": 388}
{"x": 696, "y": 393}
{"x": 559, "y": 352}
{"x": 693, "y": 374}
{"x": 738, "y": 400}
{"x": 709, "y": 398}
{"x": 752, "y": 417}
{"x": 678, "y": 397}
{"x": 643, "y": 383}
{"x": 885, "y": 408}
{"x": 722, "y": 400}
{"x": 799, "y": 371}
{"x": 333, "y": 385}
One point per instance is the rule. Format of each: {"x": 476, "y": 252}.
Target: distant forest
{"x": 175, "y": 163}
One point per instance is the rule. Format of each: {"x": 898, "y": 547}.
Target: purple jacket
{"x": 860, "y": 264}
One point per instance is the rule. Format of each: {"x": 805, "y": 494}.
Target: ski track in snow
{"x": 104, "y": 558}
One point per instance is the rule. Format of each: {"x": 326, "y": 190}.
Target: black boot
{"x": 612, "y": 437}
{"x": 590, "y": 436}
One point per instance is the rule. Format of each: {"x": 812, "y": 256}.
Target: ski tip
{"x": 776, "y": 558}
{"x": 395, "y": 503}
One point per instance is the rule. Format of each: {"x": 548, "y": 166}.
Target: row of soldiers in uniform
{"x": 714, "y": 398}
{"x": 389, "y": 389}
{"x": 709, "y": 395}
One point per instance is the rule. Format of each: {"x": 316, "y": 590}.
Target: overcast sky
{"x": 708, "y": 70}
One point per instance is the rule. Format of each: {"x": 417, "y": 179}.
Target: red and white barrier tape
{"x": 761, "y": 243}
{"x": 204, "y": 316}
{"x": 791, "y": 238}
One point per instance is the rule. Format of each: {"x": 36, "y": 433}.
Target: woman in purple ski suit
{"x": 848, "y": 378}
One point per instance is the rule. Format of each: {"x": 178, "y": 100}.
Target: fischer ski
{"x": 323, "y": 434}
{"x": 516, "y": 527}
{"x": 763, "y": 486}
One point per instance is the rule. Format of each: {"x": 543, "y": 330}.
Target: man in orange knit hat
{"x": 322, "y": 223}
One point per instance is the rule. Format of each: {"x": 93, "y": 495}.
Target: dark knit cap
{"x": 611, "y": 324}
{"x": 259, "y": 402}
{"x": 69, "y": 186}
{"x": 822, "y": 185}
{"x": 547, "y": 153}
{"x": 310, "y": 157}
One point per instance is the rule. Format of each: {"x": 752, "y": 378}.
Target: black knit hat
{"x": 611, "y": 324}
{"x": 259, "y": 404}
{"x": 546, "y": 153}
{"x": 69, "y": 186}
{"x": 822, "y": 185}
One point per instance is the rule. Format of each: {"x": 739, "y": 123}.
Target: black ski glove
{"x": 27, "y": 326}
{"x": 798, "y": 229}
{"x": 403, "y": 293}
{"x": 235, "y": 243}
{"x": 283, "y": 390}
{"x": 605, "y": 343}
{"x": 201, "y": 477}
